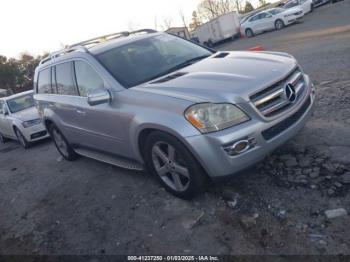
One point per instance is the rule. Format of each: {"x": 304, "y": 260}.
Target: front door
{"x": 101, "y": 125}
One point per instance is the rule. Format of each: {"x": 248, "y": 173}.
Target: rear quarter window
{"x": 44, "y": 82}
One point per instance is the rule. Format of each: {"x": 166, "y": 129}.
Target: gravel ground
{"x": 294, "y": 202}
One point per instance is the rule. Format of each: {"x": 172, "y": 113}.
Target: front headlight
{"x": 30, "y": 123}
{"x": 209, "y": 117}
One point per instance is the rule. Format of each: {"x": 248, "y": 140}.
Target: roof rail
{"x": 62, "y": 52}
{"x": 80, "y": 46}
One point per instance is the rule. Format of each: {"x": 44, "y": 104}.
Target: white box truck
{"x": 221, "y": 28}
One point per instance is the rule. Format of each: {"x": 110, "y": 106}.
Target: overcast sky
{"x": 36, "y": 26}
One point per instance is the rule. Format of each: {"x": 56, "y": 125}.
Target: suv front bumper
{"x": 267, "y": 136}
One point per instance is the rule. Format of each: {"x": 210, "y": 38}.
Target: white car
{"x": 306, "y": 5}
{"x": 275, "y": 18}
{"x": 19, "y": 119}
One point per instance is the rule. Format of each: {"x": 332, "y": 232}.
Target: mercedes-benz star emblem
{"x": 289, "y": 91}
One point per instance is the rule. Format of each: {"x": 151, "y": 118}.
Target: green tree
{"x": 16, "y": 75}
{"x": 248, "y": 7}
{"x": 195, "y": 21}
{"x": 262, "y": 3}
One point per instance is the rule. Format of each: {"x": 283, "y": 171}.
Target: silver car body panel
{"x": 115, "y": 128}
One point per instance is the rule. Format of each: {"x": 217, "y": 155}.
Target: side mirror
{"x": 98, "y": 96}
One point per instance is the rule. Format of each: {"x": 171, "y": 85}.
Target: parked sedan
{"x": 306, "y": 5}
{"x": 19, "y": 119}
{"x": 275, "y": 18}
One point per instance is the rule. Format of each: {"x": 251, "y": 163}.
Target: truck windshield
{"x": 150, "y": 58}
{"x": 20, "y": 103}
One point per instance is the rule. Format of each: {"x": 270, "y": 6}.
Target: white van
{"x": 218, "y": 29}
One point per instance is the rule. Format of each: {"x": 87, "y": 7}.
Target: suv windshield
{"x": 20, "y": 103}
{"x": 276, "y": 11}
{"x": 150, "y": 58}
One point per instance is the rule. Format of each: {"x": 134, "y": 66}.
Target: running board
{"x": 116, "y": 161}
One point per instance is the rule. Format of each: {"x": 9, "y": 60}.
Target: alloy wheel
{"x": 279, "y": 24}
{"x": 170, "y": 166}
{"x": 60, "y": 142}
{"x": 20, "y": 138}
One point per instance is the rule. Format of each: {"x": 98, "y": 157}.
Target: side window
{"x": 254, "y": 18}
{"x": 87, "y": 78}
{"x": 64, "y": 79}
{"x": 263, "y": 15}
{"x": 291, "y": 4}
{"x": 44, "y": 82}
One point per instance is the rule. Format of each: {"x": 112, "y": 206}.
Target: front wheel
{"x": 21, "y": 139}
{"x": 174, "y": 165}
{"x": 249, "y": 33}
{"x": 62, "y": 144}
{"x": 279, "y": 24}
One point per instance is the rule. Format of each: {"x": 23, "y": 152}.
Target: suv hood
{"x": 232, "y": 78}
{"x": 30, "y": 113}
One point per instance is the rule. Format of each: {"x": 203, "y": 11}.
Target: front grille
{"x": 272, "y": 100}
{"x": 38, "y": 134}
{"x": 286, "y": 123}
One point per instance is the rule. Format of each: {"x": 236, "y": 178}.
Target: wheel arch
{"x": 146, "y": 129}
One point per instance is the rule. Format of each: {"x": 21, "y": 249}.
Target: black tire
{"x": 68, "y": 153}
{"x": 279, "y": 24}
{"x": 196, "y": 179}
{"x": 249, "y": 33}
{"x": 21, "y": 139}
{"x": 3, "y": 139}
{"x": 312, "y": 8}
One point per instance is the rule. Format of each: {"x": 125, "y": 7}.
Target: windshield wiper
{"x": 187, "y": 63}
{"x": 178, "y": 67}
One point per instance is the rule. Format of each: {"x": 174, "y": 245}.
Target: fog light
{"x": 240, "y": 147}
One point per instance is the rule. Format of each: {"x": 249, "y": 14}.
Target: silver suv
{"x": 185, "y": 112}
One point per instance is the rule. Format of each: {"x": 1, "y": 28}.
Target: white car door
{"x": 252, "y": 23}
{"x": 266, "y": 21}
{"x": 305, "y": 5}
{"x": 5, "y": 122}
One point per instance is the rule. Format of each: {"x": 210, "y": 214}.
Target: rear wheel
{"x": 174, "y": 165}
{"x": 312, "y": 8}
{"x": 249, "y": 33}
{"x": 21, "y": 139}
{"x": 62, "y": 144}
{"x": 279, "y": 24}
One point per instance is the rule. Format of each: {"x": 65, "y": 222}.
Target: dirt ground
{"x": 283, "y": 206}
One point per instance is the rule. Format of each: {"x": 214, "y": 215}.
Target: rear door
{"x": 65, "y": 101}
{"x": 253, "y": 23}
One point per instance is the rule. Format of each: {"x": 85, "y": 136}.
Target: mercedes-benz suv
{"x": 186, "y": 113}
